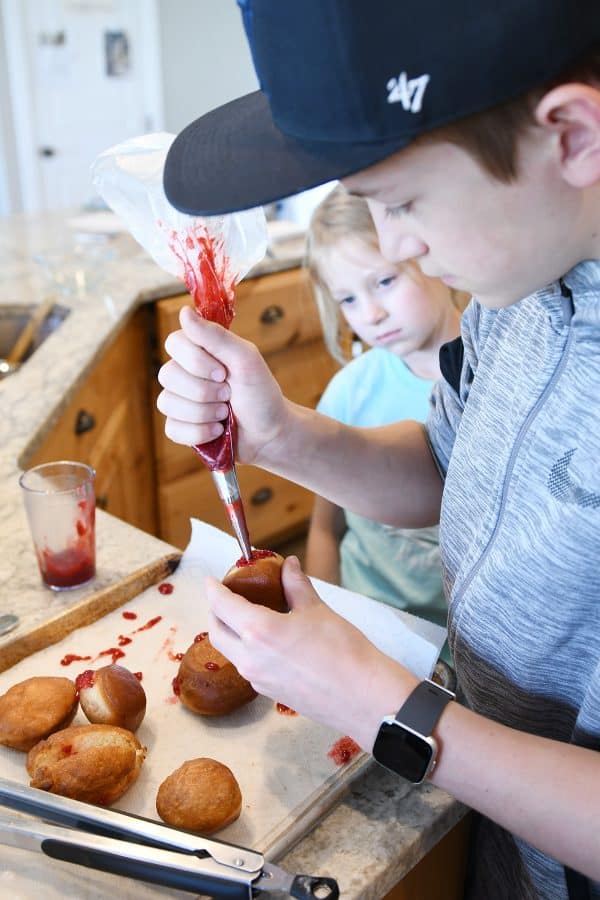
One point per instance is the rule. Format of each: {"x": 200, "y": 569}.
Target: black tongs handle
{"x": 146, "y": 870}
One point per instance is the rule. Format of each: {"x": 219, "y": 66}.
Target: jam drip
{"x": 254, "y": 556}
{"x": 343, "y": 750}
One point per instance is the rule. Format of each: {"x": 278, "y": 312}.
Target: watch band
{"x": 423, "y": 707}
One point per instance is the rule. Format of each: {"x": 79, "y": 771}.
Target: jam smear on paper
{"x": 343, "y": 750}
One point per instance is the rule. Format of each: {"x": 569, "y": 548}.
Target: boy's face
{"x": 433, "y": 202}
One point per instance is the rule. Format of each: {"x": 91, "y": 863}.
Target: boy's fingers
{"x": 297, "y": 588}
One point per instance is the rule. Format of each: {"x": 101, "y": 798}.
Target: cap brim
{"x": 235, "y": 158}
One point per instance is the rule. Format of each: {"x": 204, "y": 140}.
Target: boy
{"x": 414, "y": 109}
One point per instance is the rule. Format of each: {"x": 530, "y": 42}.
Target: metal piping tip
{"x": 229, "y": 491}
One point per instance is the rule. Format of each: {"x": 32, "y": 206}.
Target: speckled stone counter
{"x": 382, "y": 828}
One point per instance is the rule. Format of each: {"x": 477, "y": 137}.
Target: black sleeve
{"x": 451, "y": 362}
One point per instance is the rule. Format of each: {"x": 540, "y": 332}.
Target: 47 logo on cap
{"x": 407, "y": 91}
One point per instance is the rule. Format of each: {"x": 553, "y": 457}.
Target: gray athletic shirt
{"x": 518, "y": 441}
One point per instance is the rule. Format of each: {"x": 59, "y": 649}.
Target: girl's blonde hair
{"x": 341, "y": 215}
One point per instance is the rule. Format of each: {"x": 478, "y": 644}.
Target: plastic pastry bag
{"x": 209, "y": 254}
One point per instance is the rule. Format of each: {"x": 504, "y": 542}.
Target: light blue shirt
{"x": 400, "y": 567}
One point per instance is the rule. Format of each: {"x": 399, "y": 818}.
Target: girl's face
{"x": 386, "y": 305}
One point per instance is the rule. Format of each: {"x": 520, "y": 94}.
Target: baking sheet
{"x": 286, "y": 777}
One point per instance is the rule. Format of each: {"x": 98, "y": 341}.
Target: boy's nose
{"x": 396, "y": 242}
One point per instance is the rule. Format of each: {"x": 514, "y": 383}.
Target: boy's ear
{"x": 572, "y": 112}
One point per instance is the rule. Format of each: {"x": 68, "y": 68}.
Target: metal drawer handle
{"x": 262, "y": 495}
{"x": 84, "y": 422}
{"x": 271, "y": 314}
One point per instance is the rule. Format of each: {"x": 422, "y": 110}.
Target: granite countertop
{"x": 378, "y": 832}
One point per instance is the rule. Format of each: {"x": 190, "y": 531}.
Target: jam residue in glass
{"x": 129, "y": 615}
{"x": 69, "y": 568}
{"x": 285, "y": 710}
{"x": 343, "y": 750}
{"x": 254, "y": 556}
{"x": 85, "y": 679}
{"x": 124, "y": 640}
{"x": 166, "y": 588}
{"x": 71, "y": 658}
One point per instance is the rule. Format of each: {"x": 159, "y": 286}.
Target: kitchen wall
{"x": 205, "y": 58}
{"x": 205, "y": 61}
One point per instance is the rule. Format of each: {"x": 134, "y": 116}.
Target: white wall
{"x": 205, "y": 61}
{"x": 9, "y": 189}
{"x": 205, "y": 58}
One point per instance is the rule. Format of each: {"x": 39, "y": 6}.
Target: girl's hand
{"x": 310, "y": 659}
{"x": 210, "y": 366}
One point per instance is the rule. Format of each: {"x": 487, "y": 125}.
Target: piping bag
{"x": 209, "y": 254}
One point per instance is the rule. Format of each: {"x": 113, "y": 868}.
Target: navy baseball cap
{"x": 346, "y": 83}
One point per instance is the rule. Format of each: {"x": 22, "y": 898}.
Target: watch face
{"x": 403, "y": 752}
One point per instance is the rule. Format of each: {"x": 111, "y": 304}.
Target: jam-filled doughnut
{"x": 259, "y": 579}
{"x": 112, "y": 695}
{"x": 95, "y": 763}
{"x": 202, "y": 795}
{"x": 34, "y": 708}
{"x": 208, "y": 683}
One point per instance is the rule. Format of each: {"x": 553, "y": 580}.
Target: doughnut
{"x": 112, "y": 695}
{"x": 259, "y": 580}
{"x": 34, "y": 708}
{"x": 94, "y": 763}
{"x": 202, "y": 795}
{"x": 208, "y": 683}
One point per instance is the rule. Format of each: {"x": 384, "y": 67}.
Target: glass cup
{"x": 61, "y": 509}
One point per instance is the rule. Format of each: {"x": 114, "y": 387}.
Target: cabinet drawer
{"x": 274, "y": 312}
{"x": 107, "y": 424}
{"x": 303, "y": 373}
{"x": 276, "y": 509}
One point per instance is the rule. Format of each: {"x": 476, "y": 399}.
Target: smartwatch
{"x": 404, "y": 743}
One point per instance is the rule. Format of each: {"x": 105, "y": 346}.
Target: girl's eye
{"x": 347, "y": 300}
{"x": 387, "y": 281}
{"x": 401, "y": 210}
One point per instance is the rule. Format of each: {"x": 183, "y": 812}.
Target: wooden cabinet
{"x": 108, "y": 425}
{"x": 276, "y": 312}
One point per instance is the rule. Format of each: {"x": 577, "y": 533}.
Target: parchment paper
{"x": 281, "y": 762}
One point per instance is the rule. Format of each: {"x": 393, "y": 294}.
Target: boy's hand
{"x": 310, "y": 659}
{"x": 210, "y": 366}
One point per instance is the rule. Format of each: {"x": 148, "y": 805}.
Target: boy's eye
{"x": 385, "y": 282}
{"x": 349, "y": 299}
{"x": 401, "y": 210}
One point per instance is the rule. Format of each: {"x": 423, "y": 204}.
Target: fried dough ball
{"x": 259, "y": 580}
{"x": 34, "y": 708}
{"x": 95, "y": 763}
{"x": 112, "y": 695}
{"x": 202, "y": 795}
{"x": 208, "y": 683}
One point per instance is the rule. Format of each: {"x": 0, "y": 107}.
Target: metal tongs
{"x": 135, "y": 847}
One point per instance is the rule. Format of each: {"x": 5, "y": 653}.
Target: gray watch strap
{"x": 423, "y": 707}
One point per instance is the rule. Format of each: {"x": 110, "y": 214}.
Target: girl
{"x": 404, "y": 317}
